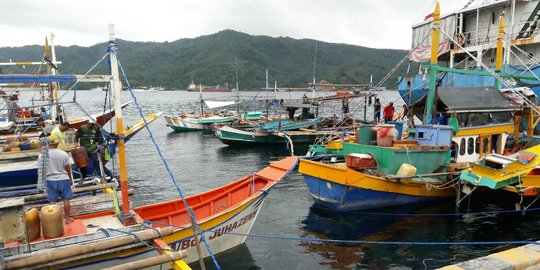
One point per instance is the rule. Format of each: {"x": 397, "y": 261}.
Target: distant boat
{"x": 158, "y": 88}
{"x": 202, "y": 88}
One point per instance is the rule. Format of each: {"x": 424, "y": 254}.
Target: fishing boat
{"x": 192, "y": 122}
{"x": 271, "y": 132}
{"x": 465, "y": 123}
{"x": 18, "y": 168}
{"x": 497, "y": 171}
{"x": 204, "y": 120}
{"x": 109, "y": 232}
{"x": 203, "y": 88}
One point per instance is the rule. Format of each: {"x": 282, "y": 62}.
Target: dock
{"x": 524, "y": 257}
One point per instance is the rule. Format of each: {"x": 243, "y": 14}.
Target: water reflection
{"x": 237, "y": 258}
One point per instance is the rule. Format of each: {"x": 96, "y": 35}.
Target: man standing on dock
{"x": 54, "y": 168}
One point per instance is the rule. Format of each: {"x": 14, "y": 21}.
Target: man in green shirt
{"x": 89, "y": 137}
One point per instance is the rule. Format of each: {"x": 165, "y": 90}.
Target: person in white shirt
{"x": 54, "y": 167}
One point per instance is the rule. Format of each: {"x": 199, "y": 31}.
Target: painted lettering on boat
{"x": 217, "y": 232}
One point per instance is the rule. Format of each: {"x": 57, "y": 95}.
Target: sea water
{"x": 201, "y": 162}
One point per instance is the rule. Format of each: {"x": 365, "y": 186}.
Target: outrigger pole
{"x": 116, "y": 86}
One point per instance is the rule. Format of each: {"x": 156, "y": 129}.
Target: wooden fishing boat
{"x": 272, "y": 132}
{"x": 189, "y": 123}
{"x": 379, "y": 182}
{"x": 496, "y": 171}
{"x": 18, "y": 168}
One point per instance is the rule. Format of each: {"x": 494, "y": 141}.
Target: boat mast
{"x": 499, "y": 52}
{"x": 509, "y": 46}
{"x": 314, "y": 69}
{"x": 237, "y": 89}
{"x": 116, "y": 87}
{"x": 428, "y": 117}
{"x": 267, "y": 90}
{"x": 201, "y": 100}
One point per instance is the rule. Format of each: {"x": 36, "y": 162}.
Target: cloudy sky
{"x": 371, "y": 23}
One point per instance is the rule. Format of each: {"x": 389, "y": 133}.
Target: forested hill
{"x": 210, "y": 60}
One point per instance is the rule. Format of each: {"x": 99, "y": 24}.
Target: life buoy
{"x": 460, "y": 39}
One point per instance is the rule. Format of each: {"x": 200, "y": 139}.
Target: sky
{"x": 369, "y": 23}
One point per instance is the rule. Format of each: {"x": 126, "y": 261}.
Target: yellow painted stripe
{"x": 519, "y": 257}
{"x": 451, "y": 267}
{"x": 23, "y": 63}
{"x": 340, "y": 174}
{"x": 486, "y": 130}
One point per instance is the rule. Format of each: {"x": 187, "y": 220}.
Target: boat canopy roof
{"x": 297, "y": 105}
{"x": 475, "y": 99}
{"x": 471, "y": 99}
{"x": 218, "y": 104}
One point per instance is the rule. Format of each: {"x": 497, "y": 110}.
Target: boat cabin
{"x": 481, "y": 117}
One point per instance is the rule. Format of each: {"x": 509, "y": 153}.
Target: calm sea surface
{"x": 201, "y": 162}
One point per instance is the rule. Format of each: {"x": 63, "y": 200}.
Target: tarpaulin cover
{"x": 474, "y": 99}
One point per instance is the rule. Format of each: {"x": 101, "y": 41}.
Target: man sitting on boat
{"x": 54, "y": 168}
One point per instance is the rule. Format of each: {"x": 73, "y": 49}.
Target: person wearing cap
{"x": 389, "y": 112}
{"x": 54, "y": 168}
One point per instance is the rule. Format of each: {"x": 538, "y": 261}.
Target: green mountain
{"x": 210, "y": 60}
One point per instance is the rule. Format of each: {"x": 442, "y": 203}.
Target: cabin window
{"x": 421, "y": 135}
{"x": 453, "y": 151}
{"x": 470, "y": 146}
{"x": 477, "y": 146}
{"x": 462, "y": 147}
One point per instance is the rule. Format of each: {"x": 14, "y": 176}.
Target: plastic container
{"x": 25, "y": 146}
{"x": 399, "y": 127}
{"x": 33, "y": 227}
{"x": 34, "y": 144}
{"x": 52, "y": 222}
{"x": 406, "y": 169}
{"x": 366, "y": 134}
{"x": 80, "y": 157}
{"x": 360, "y": 161}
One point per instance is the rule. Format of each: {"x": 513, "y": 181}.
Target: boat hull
{"x": 345, "y": 198}
{"x": 223, "y": 232}
{"x": 340, "y": 188}
{"x": 237, "y": 137}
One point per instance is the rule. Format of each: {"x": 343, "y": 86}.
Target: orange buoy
{"x": 80, "y": 157}
{"x": 52, "y": 221}
{"x": 32, "y": 224}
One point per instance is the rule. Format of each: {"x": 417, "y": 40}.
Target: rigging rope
{"x": 368, "y": 242}
{"x": 165, "y": 163}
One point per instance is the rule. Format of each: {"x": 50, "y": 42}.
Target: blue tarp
{"x": 36, "y": 78}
